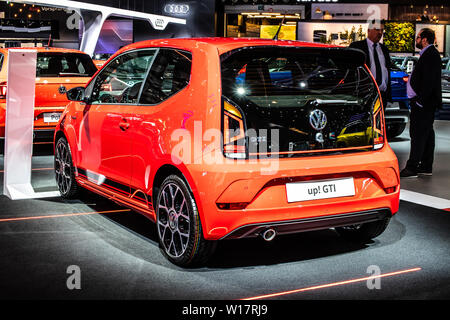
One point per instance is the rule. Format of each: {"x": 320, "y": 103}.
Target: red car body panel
{"x": 130, "y": 159}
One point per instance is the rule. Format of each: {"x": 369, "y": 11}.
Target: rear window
{"x": 56, "y": 64}
{"x": 310, "y": 96}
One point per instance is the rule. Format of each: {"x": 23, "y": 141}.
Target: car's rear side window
{"x": 59, "y": 64}
{"x": 169, "y": 73}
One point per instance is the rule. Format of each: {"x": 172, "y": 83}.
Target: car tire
{"x": 178, "y": 224}
{"x": 363, "y": 232}
{"x": 395, "y": 130}
{"x": 65, "y": 171}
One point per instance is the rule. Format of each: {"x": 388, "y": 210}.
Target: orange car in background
{"x": 100, "y": 59}
{"x": 57, "y": 70}
{"x": 224, "y": 138}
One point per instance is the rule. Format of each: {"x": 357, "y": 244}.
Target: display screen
{"x": 114, "y": 35}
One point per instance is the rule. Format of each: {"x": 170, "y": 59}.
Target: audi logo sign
{"x": 159, "y": 23}
{"x": 176, "y": 8}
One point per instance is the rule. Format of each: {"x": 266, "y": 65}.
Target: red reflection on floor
{"x": 334, "y": 284}
{"x": 63, "y": 215}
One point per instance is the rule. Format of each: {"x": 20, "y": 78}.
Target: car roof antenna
{"x": 275, "y": 37}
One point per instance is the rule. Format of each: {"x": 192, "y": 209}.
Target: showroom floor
{"x": 118, "y": 257}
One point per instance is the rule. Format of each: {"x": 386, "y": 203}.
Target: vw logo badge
{"x": 318, "y": 119}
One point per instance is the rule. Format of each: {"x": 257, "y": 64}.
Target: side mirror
{"x": 76, "y": 94}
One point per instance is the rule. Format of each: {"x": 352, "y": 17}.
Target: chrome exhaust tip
{"x": 268, "y": 234}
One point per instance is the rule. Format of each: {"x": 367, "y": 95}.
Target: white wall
{"x": 305, "y": 30}
{"x": 439, "y": 31}
{"x": 354, "y": 11}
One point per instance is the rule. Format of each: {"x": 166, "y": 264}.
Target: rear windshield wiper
{"x": 334, "y": 101}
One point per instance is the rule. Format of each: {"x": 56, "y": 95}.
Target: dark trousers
{"x": 422, "y": 138}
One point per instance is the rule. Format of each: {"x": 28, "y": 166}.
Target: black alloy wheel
{"x": 64, "y": 170}
{"x": 179, "y": 226}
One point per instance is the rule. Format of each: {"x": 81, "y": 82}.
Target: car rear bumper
{"x": 43, "y": 131}
{"x": 310, "y": 224}
{"x": 264, "y": 200}
{"x": 43, "y": 134}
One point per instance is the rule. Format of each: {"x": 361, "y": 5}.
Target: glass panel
{"x": 121, "y": 80}
{"x": 310, "y": 96}
{"x": 170, "y": 73}
{"x": 59, "y": 64}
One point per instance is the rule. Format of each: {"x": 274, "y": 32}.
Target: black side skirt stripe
{"x": 115, "y": 186}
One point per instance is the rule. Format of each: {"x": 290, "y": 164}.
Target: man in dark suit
{"x": 425, "y": 94}
{"x": 377, "y": 58}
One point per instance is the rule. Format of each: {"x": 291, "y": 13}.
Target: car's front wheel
{"x": 363, "y": 232}
{"x": 179, "y": 226}
{"x": 64, "y": 170}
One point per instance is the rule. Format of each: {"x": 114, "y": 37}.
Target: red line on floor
{"x": 334, "y": 284}
{"x": 63, "y": 215}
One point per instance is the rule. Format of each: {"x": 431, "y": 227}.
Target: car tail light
{"x": 405, "y": 78}
{"x": 234, "y": 134}
{"x": 3, "y": 90}
{"x": 378, "y": 125}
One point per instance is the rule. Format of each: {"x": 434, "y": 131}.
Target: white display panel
{"x": 19, "y": 126}
{"x": 308, "y": 31}
{"x": 439, "y": 31}
{"x": 316, "y": 190}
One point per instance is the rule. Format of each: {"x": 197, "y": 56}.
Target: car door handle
{"x": 124, "y": 125}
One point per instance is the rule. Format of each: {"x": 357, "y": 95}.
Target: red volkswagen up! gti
{"x": 230, "y": 138}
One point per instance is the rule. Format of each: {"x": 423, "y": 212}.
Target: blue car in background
{"x": 397, "y": 112}
{"x": 399, "y": 80}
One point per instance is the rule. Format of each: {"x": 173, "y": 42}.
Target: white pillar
{"x": 19, "y": 126}
{"x": 92, "y": 25}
